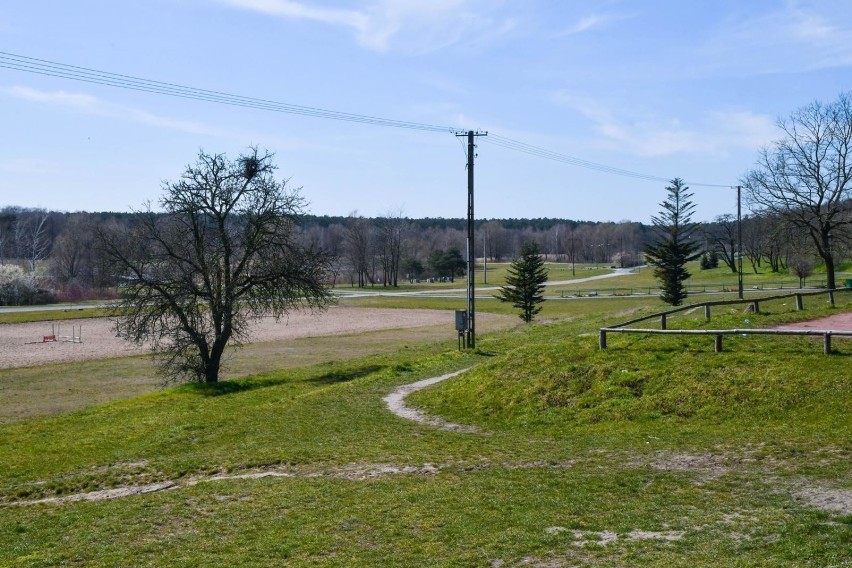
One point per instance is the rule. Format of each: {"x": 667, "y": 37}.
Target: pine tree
{"x": 673, "y": 250}
{"x": 525, "y": 282}
{"x": 713, "y": 259}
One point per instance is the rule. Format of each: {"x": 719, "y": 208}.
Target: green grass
{"x": 57, "y": 314}
{"x": 608, "y": 307}
{"x": 496, "y": 277}
{"x": 552, "y": 382}
{"x": 640, "y": 281}
{"x": 52, "y": 389}
{"x": 580, "y": 449}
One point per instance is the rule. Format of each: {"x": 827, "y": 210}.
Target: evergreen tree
{"x": 713, "y": 259}
{"x": 673, "y": 249}
{"x": 709, "y": 260}
{"x": 447, "y": 264}
{"x": 525, "y": 282}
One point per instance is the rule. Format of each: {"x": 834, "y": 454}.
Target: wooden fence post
{"x": 717, "y": 344}
{"x": 602, "y": 339}
{"x": 707, "y": 312}
{"x": 826, "y": 344}
{"x": 799, "y": 306}
{"x": 663, "y": 321}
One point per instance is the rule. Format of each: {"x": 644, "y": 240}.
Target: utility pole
{"x": 573, "y": 272}
{"x": 484, "y": 261}
{"x": 471, "y": 302}
{"x": 739, "y": 242}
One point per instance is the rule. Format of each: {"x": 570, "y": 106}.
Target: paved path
{"x": 456, "y": 292}
{"x": 346, "y": 293}
{"x": 396, "y": 404}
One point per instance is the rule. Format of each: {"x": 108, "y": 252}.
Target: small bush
{"x": 19, "y": 288}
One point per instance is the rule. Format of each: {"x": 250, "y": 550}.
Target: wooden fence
{"x": 719, "y": 333}
{"x": 692, "y": 289}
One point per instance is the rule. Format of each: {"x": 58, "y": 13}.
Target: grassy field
{"x": 57, "y": 314}
{"x": 496, "y": 276}
{"x": 52, "y": 389}
{"x": 656, "y": 452}
{"x": 640, "y": 281}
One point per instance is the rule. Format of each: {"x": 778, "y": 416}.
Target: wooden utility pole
{"x": 739, "y": 242}
{"x": 471, "y": 301}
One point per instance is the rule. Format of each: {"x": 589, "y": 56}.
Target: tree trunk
{"x": 214, "y": 362}
{"x": 829, "y": 271}
{"x": 211, "y": 372}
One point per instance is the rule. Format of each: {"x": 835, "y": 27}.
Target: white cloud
{"x": 801, "y": 36}
{"x": 56, "y": 97}
{"x": 93, "y": 105}
{"x": 299, "y": 10}
{"x": 743, "y": 129}
{"x": 590, "y": 22}
{"x": 716, "y": 132}
{"x": 416, "y": 26}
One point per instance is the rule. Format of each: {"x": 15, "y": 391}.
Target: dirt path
{"x": 21, "y": 344}
{"x": 808, "y": 492}
{"x": 396, "y": 404}
{"x": 837, "y": 322}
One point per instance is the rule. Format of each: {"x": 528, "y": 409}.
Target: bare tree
{"x": 6, "y": 234}
{"x": 722, "y": 237}
{"x": 72, "y": 255}
{"x": 31, "y": 237}
{"x": 755, "y": 241}
{"x": 806, "y": 176}
{"x": 392, "y": 228}
{"x": 224, "y": 253}
{"x": 802, "y": 266}
{"x": 358, "y": 246}
{"x": 492, "y": 237}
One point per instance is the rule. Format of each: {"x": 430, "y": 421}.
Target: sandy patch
{"x": 104, "y": 494}
{"x": 708, "y": 466}
{"x": 21, "y": 344}
{"x": 584, "y": 538}
{"x": 825, "y": 499}
{"x": 350, "y": 472}
{"x": 668, "y": 536}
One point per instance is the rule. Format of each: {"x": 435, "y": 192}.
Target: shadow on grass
{"x": 483, "y": 353}
{"x": 345, "y": 376}
{"x": 230, "y": 386}
{"x": 265, "y": 381}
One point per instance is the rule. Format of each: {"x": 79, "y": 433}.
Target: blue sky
{"x": 665, "y": 88}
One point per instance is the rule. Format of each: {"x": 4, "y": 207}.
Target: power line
{"x": 525, "y": 148}
{"x": 87, "y": 75}
{"x": 94, "y": 76}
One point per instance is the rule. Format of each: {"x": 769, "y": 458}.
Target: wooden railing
{"x": 719, "y": 333}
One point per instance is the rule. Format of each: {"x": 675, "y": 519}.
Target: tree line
{"x": 55, "y": 255}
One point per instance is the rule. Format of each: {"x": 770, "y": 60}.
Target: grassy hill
{"x": 656, "y": 451}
